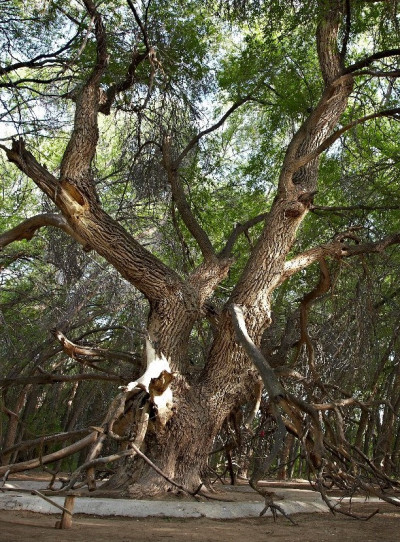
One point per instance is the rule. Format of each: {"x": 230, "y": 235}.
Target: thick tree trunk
{"x": 200, "y": 411}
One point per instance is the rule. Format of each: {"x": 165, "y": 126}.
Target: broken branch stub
{"x": 156, "y": 382}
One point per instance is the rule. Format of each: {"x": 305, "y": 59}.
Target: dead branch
{"x": 59, "y": 437}
{"x": 50, "y": 458}
{"x": 89, "y": 465}
{"x": 74, "y": 350}
{"x": 55, "y": 378}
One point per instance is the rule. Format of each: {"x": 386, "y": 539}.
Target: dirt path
{"x": 28, "y": 527}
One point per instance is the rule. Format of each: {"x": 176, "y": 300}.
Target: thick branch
{"x": 98, "y": 230}
{"x": 336, "y": 249}
{"x": 271, "y": 383}
{"x": 78, "y": 156}
{"x": 325, "y": 116}
{"x": 27, "y": 163}
{"x": 27, "y": 229}
{"x": 370, "y": 59}
{"x": 330, "y": 60}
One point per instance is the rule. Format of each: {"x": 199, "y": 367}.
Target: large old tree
{"x": 287, "y": 87}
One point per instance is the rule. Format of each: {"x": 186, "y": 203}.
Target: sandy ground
{"x": 24, "y": 526}
{"x": 28, "y": 526}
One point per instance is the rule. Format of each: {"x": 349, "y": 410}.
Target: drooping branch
{"x": 271, "y": 382}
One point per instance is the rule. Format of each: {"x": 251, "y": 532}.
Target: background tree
{"x": 182, "y": 151}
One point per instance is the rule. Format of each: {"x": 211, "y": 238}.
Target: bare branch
{"x": 59, "y": 437}
{"x": 370, "y": 59}
{"x": 172, "y": 167}
{"x": 140, "y": 24}
{"x": 321, "y": 288}
{"x": 74, "y": 350}
{"x": 39, "y": 61}
{"x": 193, "y": 142}
{"x": 55, "y": 378}
{"x": 238, "y": 229}
{"x": 50, "y": 458}
{"x": 355, "y": 208}
{"x": 183, "y": 206}
{"x": 114, "y": 90}
{"x": 303, "y": 160}
{"x": 347, "y": 31}
{"x": 374, "y": 73}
